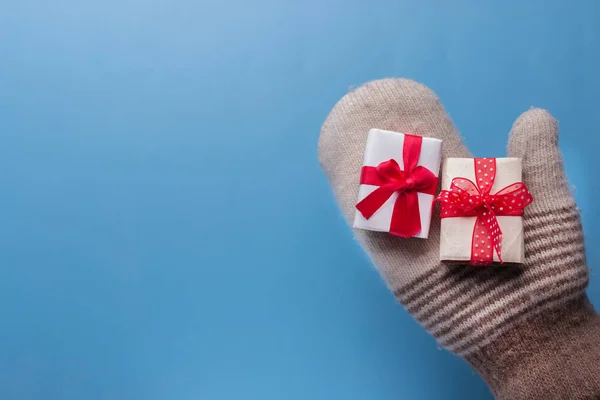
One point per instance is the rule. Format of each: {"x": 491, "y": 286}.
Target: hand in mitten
{"x": 529, "y": 331}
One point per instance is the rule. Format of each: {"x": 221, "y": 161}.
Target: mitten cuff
{"x": 554, "y": 355}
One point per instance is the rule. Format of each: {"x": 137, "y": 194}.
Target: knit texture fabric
{"x": 481, "y": 314}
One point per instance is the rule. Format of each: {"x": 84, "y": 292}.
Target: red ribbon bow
{"x": 467, "y": 199}
{"x": 406, "y": 218}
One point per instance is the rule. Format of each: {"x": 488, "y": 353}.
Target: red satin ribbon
{"x": 468, "y": 199}
{"x": 406, "y": 218}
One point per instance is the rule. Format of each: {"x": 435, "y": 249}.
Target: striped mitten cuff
{"x": 555, "y": 354}
{"x": 481, "y": 314}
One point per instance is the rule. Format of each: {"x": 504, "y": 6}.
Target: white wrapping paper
{"x": 383, "y": 146}
{"x": 457, "y": 233}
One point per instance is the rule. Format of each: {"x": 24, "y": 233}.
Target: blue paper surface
{"x": 165, "y": 230}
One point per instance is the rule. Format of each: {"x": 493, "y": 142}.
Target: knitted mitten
{"x": 530, "y": 332}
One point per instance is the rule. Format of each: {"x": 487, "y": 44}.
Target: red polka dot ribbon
{"x": 468, "y": 199}
{"x": 406, "y": 217}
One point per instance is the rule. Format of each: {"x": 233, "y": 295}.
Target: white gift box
{"x": 385, "y": 145}
{"x": 456, "y": 236}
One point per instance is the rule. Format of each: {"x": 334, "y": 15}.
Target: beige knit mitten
{"x": 530, "y": 332}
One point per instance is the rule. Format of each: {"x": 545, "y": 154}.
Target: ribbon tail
{"x": 482, "y": 250}
{"x": 373, "y": 202}
{"x": 487, "y": 237}
{"x": 406, "y": 218}
{"x": 498, "y": 245}
{"x": 495, "y": 234}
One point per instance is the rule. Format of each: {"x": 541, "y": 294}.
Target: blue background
{"x": 165, "y": 230}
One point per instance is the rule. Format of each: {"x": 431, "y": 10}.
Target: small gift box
{"x": 482, "y": 202}
{"x": 398, "y": 183}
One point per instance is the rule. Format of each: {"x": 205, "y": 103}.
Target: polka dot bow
{"x": 467, "y": 199}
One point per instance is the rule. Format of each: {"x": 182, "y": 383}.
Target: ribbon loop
{"x": 406, "y": 218}
{"x": 389, "y": 171}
